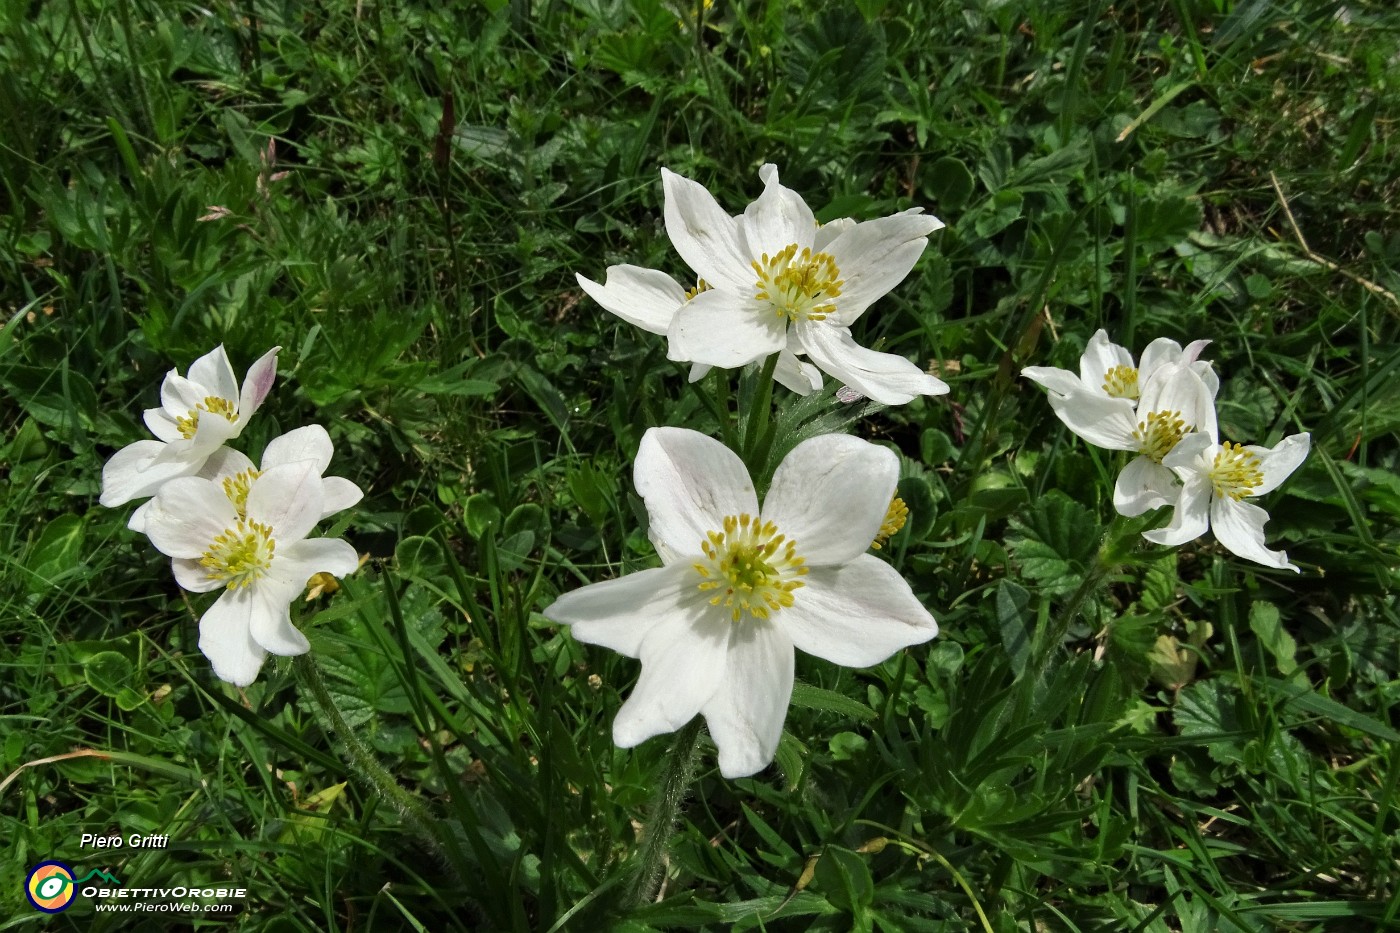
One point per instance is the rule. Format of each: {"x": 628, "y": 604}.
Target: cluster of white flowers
{"x": 1163, "y": 410}
{"x": 226, "y": 523}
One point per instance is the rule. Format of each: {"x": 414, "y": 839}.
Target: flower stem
{"x": 756, "y": 436}
{"x": 362, "y": 761}
{"x": 677, "y": 773}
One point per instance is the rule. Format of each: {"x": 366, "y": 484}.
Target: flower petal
{"x": 288, "y": 498}
{"x": 1160, "y": 352}
{"x": 721, "y": 328}
{"x": 1100, "y": 420}
{"x": 270, "y": 623}
{"x": 134, "y": 473}
{"x": 225, "y": 637}
{"x": 689, "y": 482}
{"x": 339, "y": 494}
{"x": 883, "y": 377}
{"x": 1143, "y": 485}
{"x": 830, "y": 495}
{"x": 1239, "y": 526}
{"x": 1177, "y": 387}
{"x": 683, "y": 664}
{"x": 619, "y": 613}
{"x": 1059, "y": 381}
{"x": 698, "y": 371}
{"x": 162, "y": 425}
{"x": 777, "y": 219}
{"x": 704, "y": 234}
{"x": 298, "y": 561}
{"x": 1192, "y": 515}
{"x": 875, "y": 256}
{"x": 213, "y": 373}
{"x": 645, "y": 298}
{"x": 1278, "y": 463}
{"x": 828, "y": 232}
{"x": 746, "y": 713}
{"x": 1101, "y": 355}
{"x": 796, "y": 375}
{"x": 310, "y": 443}
{"x": 193, "y": 576}
{"x": 857, "y": 614}
{"x": 189, "y": 514}
{"x": 178, "y": 395}
{"x": 256, "y": 384}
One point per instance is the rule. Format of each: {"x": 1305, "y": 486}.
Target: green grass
{"x": 1216, "y": 745}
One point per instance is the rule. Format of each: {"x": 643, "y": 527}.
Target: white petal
{"x": 1059, "y": 381}
{"x": 1144, "y": 485}
{"x": 1177, "y": 387}
{"x": 706, "y": 237}
{"x": 162, "y": 425}
{"x": 134, "y": 473}
{"x": 1100, "y": 420}
{"x": 1280, "y": 462}
{"x": 213, "y": 373}
{"x": 297, "y": 561}
{"x": 746, "y": 713}
{"x": 257, "y": 383}
{"x": 875, "y": 256}
{"x": 796, "y": 375}
{"x": 689, "y": 482}
{"x": 339, "y": 494}
{"x": 828, "y": 232}
{"x": 223, "y": 463}
{"x": 1192, "y": 453}
{"x": 1101, "y": 355}
{"x": 698, "y": 371}
{"x": 1192, "y": 515}
{"x": 645, "y": 298}
{"x": 883, "y": 377}
{"x": 270, "y": 623}
{"x": 310, "y": 443}
{"x": 1158, "y": 353}
{"x": 722, "y": 328}
{"x": 683, "y": 663}
{"x": 288, "y": 498}
{"x": 830, "y": 495}
{"x": 193, "y": 576}
{"x": 189, "y": 514}
{"x": 857, "y": 614}
{"x": 777, "y": 219}
{"x": 226, "y": 638}
{"x": 1240, "y": 527}
{"x": 618, "y": 614}
{"x": 178, "y": 395}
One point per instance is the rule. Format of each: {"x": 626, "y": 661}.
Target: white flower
{"x": 235, "y": 473}
{"x": 650, "y": 299}
{"x": 198, "y": 414}
{"x": 778, "y": 281}
{"x": 1144, "y": 409}
{"x": 740, "y": 587}
{"x": 1216, "y": 479}
{"x": 257, "y": 553}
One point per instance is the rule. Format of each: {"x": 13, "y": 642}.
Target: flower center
{"x": 749, "y": 567}
{"x": 895, "y": 517}
{"x": 1159, "y": 434}
{"x": 1121, "y": 382}
{"x": 700, "y": 286}
{"x": 212, "y": 404}
{"x": 1236, "y": 472}
{"x": 236, "y": 488}
{"x": 799, "y": 287}
{"x": 240, "y": 555}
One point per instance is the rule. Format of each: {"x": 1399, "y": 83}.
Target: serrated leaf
{"x": 1012, "y": 600}
{"x": 806, "y": 696}
{"x": 1206, "y": 710}
{"x": 1055, "y": 544}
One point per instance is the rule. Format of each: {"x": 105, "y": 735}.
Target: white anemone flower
{"x": 1216, "y": 481}
{"x": 778, "y": 281}
{"x": 1107, "y": 371}
{"x": 198, "y": 414}
{"x": 258, "y": 554}
{"x": 650, "y": 299}
{"x": 741, "y": 586}
{"x": 235, "y": 473}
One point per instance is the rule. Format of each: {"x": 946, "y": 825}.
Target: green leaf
{"x": 108, "y": 672}
{"x": 806, "y": 696}
{"x": 845, "y": 879}
{"x": 56, "y": 554}
{"x": 950, "y": 182}
{"x": 1056, "y": 543}
{"x": 1264, "y": 623}
{"x": 1011, "y": 619}
{"x": 1206, "y": 711}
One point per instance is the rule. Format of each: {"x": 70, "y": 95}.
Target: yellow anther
{"x": 700, "y": 286}
{"x": 799, "y": 287}
{"x": 895, "y": 517}
{"x": 240, "y": 555}
{"x": 749, "y": 567}
{"x": 236, "y": 488}
{"x": 1159, "y": 434}
{"x": 214, "y": 405}
{"x": 1236, "y": 472}
{"x": 1121, "y": 382}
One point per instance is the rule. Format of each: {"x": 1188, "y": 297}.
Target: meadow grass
{"x": 399, "y": 195}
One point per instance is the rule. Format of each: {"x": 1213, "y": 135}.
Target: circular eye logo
{"x": 50, "y": 887}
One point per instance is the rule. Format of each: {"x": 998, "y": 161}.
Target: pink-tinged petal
{"x": 270, "y": 623}
{"x": 684, "y": 657}
{"x": 1159, "y": 353}
{"x": 225, "y": 637}
{"x": 288, "y": 498}
{"x": 256, "y": 384}
{"x": 1176, "y": 387}
{"x": 213, "y": 373}
{"x": 1059, "y": 381}
{"x": 619, "y": 613}
{"x": 1101, "y": 355}
{"x": 134, "y": 472}
{"x": 645, "y": 298}
{"x": 777, "y": 219}
{"x": 745, "y": 715}
{"x": 698, "y": 371}
{"x": 339, "y": 495}
{"x": 1144, "y": 485}
{"x": 883, "y": 377}
{"x": 310, "y": 443}
{"x": 162, "y": 425}
{"x": 795, "y": 375}
{"x": 194, "y": 576}
{"x": 830, "y": 495}
{"x": 1192, "y": 515}
{"x": 689, "y": 482}
{"x": 1100, "y": 420}
{"x": 1278, "y": 463}
{"x": 178, "y": 395}
{"x": 721, "y": 328}
{"x": 189, "y": 513}
{"x": 1239, "y": 526}
{"x": 875, "y": 256}
{"x": 704, "y": 234}
{"x": 856, "y": 614}
{"x": 298, "y": 561}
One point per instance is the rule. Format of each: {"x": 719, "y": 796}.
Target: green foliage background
{"x": 400, "y": 194}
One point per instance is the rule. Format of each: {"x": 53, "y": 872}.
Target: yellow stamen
{"x": 1121, "y": 382}
{"x": 895, "y": 517}
{"x": 799, "y": 287}
{"x": 1236, "y": 472}
{"x": 750, "y": 568}
{"x": 700, "y": 286}
{"x": 1159, "y": 434}
{"x": 214, "y": 405}
{"x": 240, "y": 555}
{"x": 236, "y": 488}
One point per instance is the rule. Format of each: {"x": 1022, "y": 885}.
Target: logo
{"x": 51, "y": 886}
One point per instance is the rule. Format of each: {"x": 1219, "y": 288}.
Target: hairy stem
{"x": 678, "y": 771}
